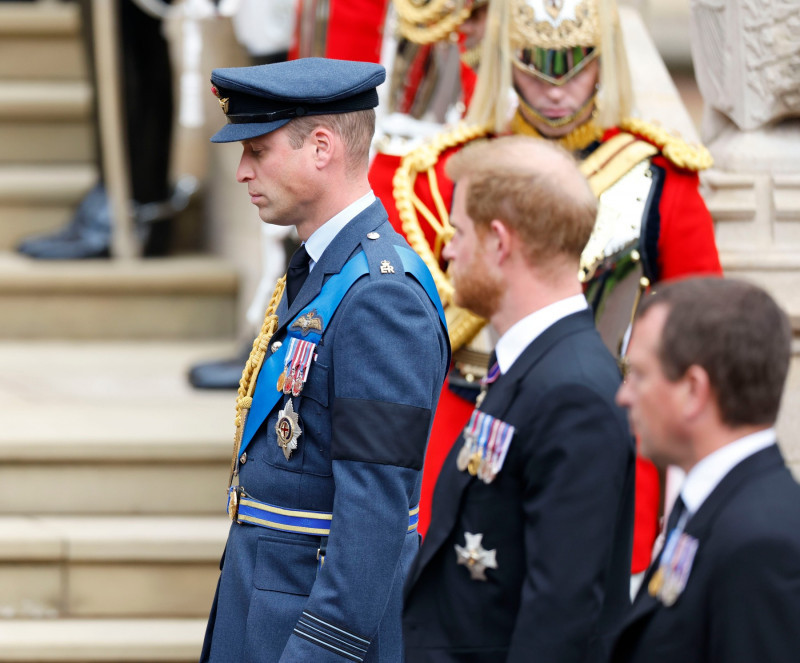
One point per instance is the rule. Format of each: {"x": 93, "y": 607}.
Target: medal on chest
{"x": 486, "y": 443}
{"x": 669, "y": 580}
{"x": 475, "y": 557}
{"x": 296, "y": 367}
{"x": 288, "y": 429}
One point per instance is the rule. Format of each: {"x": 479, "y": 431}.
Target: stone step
{"x": 37, "y": 198}
{"x": 185, "y": 297}
{"x": 67, "y": 566}
{"x": 41, "y": 40}
{"x": 112, "y": 428}
{"x": 45, "y": 121}
{"x": 27, "y": 142}
{"x": 102, "y": 640}
{"x": 45, "y": 100}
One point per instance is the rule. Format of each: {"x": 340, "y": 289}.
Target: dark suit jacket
{"x": 741, "y": 603}
{"x": 559, "y": 514}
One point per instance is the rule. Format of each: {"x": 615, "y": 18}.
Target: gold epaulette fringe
{"x": 462, "y": 325}
{"x": 429, "y": 23}
{"x": 689, "y": 157}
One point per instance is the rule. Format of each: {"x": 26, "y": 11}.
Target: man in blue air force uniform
{"x": 336, "y": 400}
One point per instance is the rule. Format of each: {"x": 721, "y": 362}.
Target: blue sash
{"x": 324, "y": 306}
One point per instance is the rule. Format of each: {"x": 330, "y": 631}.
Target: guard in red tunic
{"x": 558, "y": 70}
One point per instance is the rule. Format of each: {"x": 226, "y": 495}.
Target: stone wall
{"x": 746, "y": 57}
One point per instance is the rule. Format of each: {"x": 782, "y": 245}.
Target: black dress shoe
{"x": 87, "y": 235}
{"x": 220, "y": 374}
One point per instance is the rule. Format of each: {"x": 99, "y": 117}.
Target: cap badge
{"x": 223, "y": 101}
{"x": 475, "y": 557}
{"x": 288, "y": 429}
{"x": 305, "y": 323}
{"x": 386, "y": 267}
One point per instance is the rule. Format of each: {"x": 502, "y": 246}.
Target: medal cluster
{"x": 670, "y": 578}
{"x": 486, "y": 442}
{"x": 296, "y": 366}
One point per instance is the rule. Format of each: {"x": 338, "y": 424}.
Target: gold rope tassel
{"x": 247, "y": 384}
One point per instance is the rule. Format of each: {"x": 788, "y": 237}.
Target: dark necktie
{"x": 678, "y": 509}
{"x": 296, "y": 273}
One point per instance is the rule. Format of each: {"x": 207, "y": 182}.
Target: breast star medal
{"x": 288, "y": 429}
{"x": 475, "y": 557}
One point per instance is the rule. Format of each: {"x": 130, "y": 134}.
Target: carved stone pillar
{"x": 747, "y": 63}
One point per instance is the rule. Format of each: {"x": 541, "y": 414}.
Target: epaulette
{"x": 674, "y": 148}
{"x": 423, "y": 159}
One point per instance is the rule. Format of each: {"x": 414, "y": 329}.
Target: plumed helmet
{"x": 553, "y": 40}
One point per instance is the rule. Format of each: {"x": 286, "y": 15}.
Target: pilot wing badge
{"x": 308, "y": 322}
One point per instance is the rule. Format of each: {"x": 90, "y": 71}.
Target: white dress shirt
{"x": 323, "y": 236}
{"x": 522, "y": 333}
{"x": 707, "y": 474}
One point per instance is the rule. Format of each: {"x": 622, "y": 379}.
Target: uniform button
{"x": 243, "y": 458}
{"x": 373, "y": 235}
{"x": 276, "y": 346}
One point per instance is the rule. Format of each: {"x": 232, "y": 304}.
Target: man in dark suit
{"x": 337, "y": 397}
{"x": 708, "y": 360}
{"x": 528, "y": 554}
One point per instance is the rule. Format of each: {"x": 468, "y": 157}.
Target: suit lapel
{"x": 769, "y": 459}
{"x": 499, "y": 399}
{"x": 698, "y": 526}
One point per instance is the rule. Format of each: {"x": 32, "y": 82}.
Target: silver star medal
{"x": 475, "y": 557}
{"x": 288, "y": 429}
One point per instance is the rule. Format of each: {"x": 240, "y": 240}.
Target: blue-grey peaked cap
{"x": 261, "y": 99}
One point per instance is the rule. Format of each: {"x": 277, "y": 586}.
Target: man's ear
{"x": 698, "y": 392}
{"x": 500, "y": 239}
{"x": 322, "y": 140}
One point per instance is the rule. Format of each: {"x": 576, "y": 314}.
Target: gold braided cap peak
{"x": 462, "y": 325}
{"x": 693, "y": 157}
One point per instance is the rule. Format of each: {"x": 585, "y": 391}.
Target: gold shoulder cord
{"x": 674, "y": 148}
{"x": 247, "y": 384}
{"x": 462, "y": 325}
